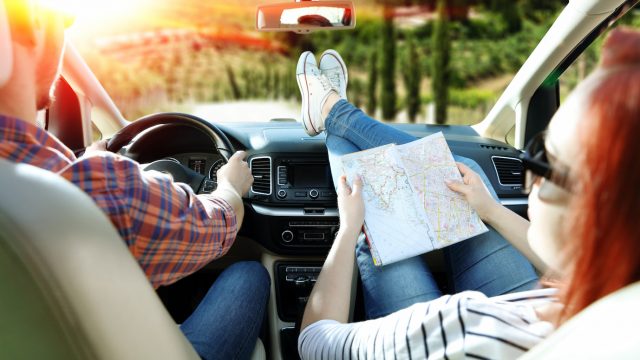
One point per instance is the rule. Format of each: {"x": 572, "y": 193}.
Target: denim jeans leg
{"x": 349, "y": 122}
{"x": 393, "y": 287}
{"x": 488, "y": 262}
{"x": 226, "y": 323}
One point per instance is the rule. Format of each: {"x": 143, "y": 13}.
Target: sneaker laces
{"x": 334, "y": 78}
{"x": 326, "y": 85}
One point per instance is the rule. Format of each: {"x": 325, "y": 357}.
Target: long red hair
{"x": 603, "y": 231}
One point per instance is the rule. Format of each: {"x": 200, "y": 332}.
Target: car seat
{"x": 69, "y": 287}
{"x": 604, "y": 330}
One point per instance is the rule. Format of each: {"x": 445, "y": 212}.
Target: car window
{"x": 588, "y": 60}
{"x": 206, "y": 58}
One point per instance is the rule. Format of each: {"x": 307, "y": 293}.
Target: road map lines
{"x": 409, "y": 210}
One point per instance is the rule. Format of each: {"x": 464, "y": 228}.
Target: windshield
{"x": 206, "y": 58}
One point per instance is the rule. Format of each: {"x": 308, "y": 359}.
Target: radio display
{"x": 311, "y": 176}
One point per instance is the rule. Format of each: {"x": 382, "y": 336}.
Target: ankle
{"x": 332, "y": 99}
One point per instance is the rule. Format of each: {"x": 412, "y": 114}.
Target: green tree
{"x": 285, "y": 83}
{"x": 510, "y": 12}
{"x": 372, "y": 85}
{"x": 355, "y": 91}
{"x": 440, "y": 71}
{"x": 233, "y": 84}
{"x": 247, "y": 84}
{"x": 293, "y": 92}
{"x": 276, "y": 84}
{"x": 268, "y": 86}
{"x": 539, "y": 10}
{"x": 388, "y": 66}
{"x": 412, "y": 78}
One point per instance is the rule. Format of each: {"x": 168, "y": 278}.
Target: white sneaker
{"x": 333, "y": 67}
{"x": 315, "y": 89}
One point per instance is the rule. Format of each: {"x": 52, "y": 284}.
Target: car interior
{"x": 71, "y": 289}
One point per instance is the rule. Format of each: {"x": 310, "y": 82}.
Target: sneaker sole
{"x": 338, "y": 58}
{"x": 301, "y": 71}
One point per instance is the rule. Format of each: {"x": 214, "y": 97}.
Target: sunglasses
{"x": 552, "y": 178}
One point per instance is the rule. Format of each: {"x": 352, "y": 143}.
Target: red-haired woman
{"x": 582, "y": 174}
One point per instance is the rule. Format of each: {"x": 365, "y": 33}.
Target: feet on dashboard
{"x": 333, "y": 67}
{"x": 315, "y": 89}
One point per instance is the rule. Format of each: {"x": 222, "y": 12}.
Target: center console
{"x": 303, "y": 180}
{"x": 287, "y": 179}
{"x": 294, "y": 281}
{"x": 292, "y": 211}
{"x": 293, "y": 198}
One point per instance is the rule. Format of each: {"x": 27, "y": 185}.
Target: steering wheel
{"x": 179, "y": 172}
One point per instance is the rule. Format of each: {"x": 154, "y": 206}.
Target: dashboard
{"x": 202, "y": 163}
{"x": 291, "y": 208}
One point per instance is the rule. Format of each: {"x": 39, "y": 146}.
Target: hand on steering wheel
{"x": 236, "y": 174}
{"x": 198, "y": 182}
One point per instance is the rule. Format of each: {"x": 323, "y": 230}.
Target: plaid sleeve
{"x": 171, "y": 231}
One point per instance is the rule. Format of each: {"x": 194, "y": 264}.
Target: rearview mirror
{"x": 306, "y": 16}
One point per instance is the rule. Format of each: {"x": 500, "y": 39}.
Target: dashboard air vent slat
{"x": 261, "y": 171}
{"x": 494, "y": 147}
{"x": 509, "y": 170}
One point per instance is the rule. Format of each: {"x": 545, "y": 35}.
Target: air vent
{"x": 510, "y": 170}
{"x": 261, "y": 171}
{"x": 494, "y": 147}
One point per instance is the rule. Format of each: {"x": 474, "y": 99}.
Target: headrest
{"x": 6, "y": 49}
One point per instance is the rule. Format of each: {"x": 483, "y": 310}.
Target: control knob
{"x": 287, "y": 236}
{"x": 313, "y": 193}
{"x": 282, "y": 194}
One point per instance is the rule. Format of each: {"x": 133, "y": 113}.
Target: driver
{"x": 170, "y": 231}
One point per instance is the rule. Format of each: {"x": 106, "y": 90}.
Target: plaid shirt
{"x": 169, "y": 230}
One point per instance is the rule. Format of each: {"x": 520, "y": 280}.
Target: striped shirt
{"x": 171, "y": 231}
{"x": 465, "y": 325}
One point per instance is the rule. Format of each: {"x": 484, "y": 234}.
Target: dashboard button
{"x": 313, "y": 193}
{"x": 282, "y": 194}
{"x": 287, "y": 236}
{"x": 208, "y": 186}
{"x": 301, "y": 194}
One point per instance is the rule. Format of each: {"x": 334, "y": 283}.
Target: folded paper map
{"x": 409, "y": 210}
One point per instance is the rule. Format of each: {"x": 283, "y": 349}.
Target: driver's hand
{"x": 236, "y": 174}
{"x": 96, "y": 147}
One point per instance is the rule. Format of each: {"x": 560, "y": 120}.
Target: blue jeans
{"x": 226, "y": 323}
{"x": 485, "y": 263}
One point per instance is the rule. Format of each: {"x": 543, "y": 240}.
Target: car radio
{"x": 303, "y": 180}
{"x": 309, "y": 233}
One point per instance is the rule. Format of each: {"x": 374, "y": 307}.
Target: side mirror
{"x": 306, "y": 16}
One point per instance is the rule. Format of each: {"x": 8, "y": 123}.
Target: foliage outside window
{"x": 181, "y": 55}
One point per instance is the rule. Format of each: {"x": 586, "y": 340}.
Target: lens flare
{"x": 96, "y": 12}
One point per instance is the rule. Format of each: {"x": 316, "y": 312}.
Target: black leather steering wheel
{"x": 179, "y": 172}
